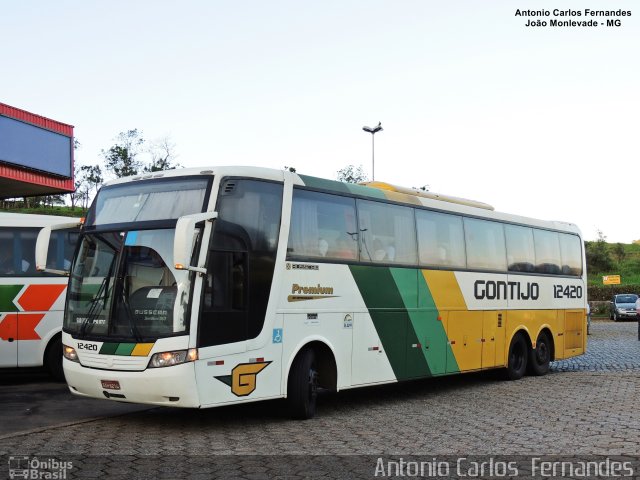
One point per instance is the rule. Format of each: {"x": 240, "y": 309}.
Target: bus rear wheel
{"x": 518, "y": 355}
{"x": 540, "y": 356}
{"x": 302, "y": 388}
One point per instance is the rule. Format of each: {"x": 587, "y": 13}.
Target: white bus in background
{"x": 32, "y": 303}
{"x": 208, "y": 287}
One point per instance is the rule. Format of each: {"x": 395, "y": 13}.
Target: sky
{"x": 536, "y": 121}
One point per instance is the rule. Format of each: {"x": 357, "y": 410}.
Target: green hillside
{"x": 63, "y": 211}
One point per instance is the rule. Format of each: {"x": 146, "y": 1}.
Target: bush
{"x": 599, "y": 308}
{"x": 603, "y": 293}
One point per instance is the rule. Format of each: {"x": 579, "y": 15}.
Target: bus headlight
{"x": 168, "y": 359}
{"x": 70, "y": 353}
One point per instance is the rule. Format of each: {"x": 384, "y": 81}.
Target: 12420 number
{"x": 567, "y": 291}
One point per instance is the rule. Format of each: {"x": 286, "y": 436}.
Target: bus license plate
{"x": 111, "y": 384}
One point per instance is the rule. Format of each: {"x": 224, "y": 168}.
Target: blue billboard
{"x": 28, "y": 146}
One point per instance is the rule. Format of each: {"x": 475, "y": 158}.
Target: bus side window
{"x": 547, "y": 246}
{"x": 322, "y": 226}
{"x": 17, "y": 251}
{"x": 571, "y": 252}
{"x": 440, "y": 239}
{"x": 485, "y": 242}
{"x": 520, "y": 251}
{"x": 387, "y": 233}
{"x": 6, "y": 252}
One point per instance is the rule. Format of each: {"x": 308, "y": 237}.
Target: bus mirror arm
{"x": 42, "y": 247}
{"x": 184, "y": 238}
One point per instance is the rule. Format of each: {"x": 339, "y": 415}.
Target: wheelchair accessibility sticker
{"x": 277, "y": 335}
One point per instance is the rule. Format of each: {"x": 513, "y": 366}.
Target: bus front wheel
{"x": 302, "y": 388}
{"x": 518, "y": 355}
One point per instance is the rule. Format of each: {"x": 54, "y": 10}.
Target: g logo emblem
{"x": 243, "y": 378}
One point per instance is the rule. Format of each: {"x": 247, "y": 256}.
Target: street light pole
{"x": 373, "y": 132}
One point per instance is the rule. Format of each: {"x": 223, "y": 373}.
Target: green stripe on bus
{"x": 7, "y": 294}
{"x": 125, "y": 349}
{"x": 342, "y": 187}
{"x": 108, "y": 348}
{"x": 416, "y": 364}
{"x": 324, "y": 184}
{"x": 439, "y": 353}
{"x": 390, "y": 317}
{"x": 365, "y": 191}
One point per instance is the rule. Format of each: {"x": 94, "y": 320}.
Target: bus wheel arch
{"x": 52, "y": 358}
{"x": 518, "y": 355}
{"x": 313, "y": 367}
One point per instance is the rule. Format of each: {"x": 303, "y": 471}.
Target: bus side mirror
{"x": 42, "y": 247}
{"x": 184, "y": 238}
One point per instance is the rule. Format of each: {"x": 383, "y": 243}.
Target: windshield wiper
{"x": 127, "y": 308}
{"x": 101, "y": 294}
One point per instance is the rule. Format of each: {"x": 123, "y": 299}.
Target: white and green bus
{"x": 32, "y": 304}
{"x": 209, "y": 287}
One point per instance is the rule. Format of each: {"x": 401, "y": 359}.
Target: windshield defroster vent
{"x": 229, "y": 187}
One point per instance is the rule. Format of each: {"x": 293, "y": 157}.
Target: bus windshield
{"x": 123, "y": 286}
{"x": 161, "y": 199}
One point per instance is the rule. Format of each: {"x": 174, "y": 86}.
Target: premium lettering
{"x": 314, "y": 290}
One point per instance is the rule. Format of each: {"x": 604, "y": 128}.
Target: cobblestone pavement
{"x": 612, "y": 346}
{"x": 585, "y": 406}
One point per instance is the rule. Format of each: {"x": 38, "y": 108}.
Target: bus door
{"x": 371, "y": 362}
{"x": 8, "y": 325}
{"x": 15, "y": 264}
{"x": 493, "y": 338}
{"x": 240, "y": 265}
{"x": 464, "y": 330}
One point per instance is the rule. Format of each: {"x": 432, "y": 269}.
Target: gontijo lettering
{"x": 500, "y": 290}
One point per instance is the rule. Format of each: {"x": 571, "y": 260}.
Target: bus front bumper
{"x": 168, "y": 386}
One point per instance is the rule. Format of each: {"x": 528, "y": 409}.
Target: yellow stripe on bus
{"x": 445, "y": 290}
{"x": 142, "y": 349}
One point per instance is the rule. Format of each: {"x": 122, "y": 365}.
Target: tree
{"x": 352, "y": 174}
{"x": 163, "y": 156}
{"x": 121, "y": 158}
{"x": 78, "y": 181}
{"x": 597, "y": 253}
{"x": 93, "y": 176}
{"x": 619, "y": 252}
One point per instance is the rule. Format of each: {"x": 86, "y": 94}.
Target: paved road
{"x": 586, "y": 406}
{"x": 32, "y": 401}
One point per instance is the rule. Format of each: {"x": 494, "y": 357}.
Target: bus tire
{"x": 53, "y": 358}
{"x": 302, "y": 388}
{"x": 540, "y": 356}
{"x": 518, "y": 355}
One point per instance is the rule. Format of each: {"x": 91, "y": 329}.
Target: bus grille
{"x": 114, "y": 362}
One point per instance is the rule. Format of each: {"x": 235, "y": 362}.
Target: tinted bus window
{"x": 547, "y": 246}
{"x": 17, "y": 251}
{"x": 323, "y": 226}
{"x": 387, "y": 233}
{"x": 571, "y": 251}
{"x": 521, "y": 255}
{"x": 440, "y": 239}
{"x": 485, "y": 244}
{"x": 61, "y": 248}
